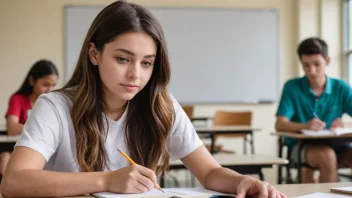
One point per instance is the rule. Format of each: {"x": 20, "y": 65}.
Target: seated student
{"x": 117, "y": 98}
{"x": 316, "y": 102}
{"x": 40, "y": 79}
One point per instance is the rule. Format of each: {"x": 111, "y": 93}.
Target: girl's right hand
{"x": 130, "y": 179}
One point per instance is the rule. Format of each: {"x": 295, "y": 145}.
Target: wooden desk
{"x": 3, "y": 129}
{"x": 203, "y": 118}
{"x": 244, "y": 164}
{"x": 294, "y": 190}
{"x": 305, "y": 139}
{"x": 290, "y": 190}
{"x": 7, "y": 143}
{"x": 300, "y": 136}
{"x": 83, "y": 196}
{"x": 208, "y": 131}
{"x": 219, "y": 130}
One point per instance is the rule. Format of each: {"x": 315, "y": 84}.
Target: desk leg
{"x": 299, "y": 167}
{"x": 252, "y": 142}
{"x": 245, "y": 141}
{"x": 279, "y": 167}
{"x": 212, "y": 146}
{"x": 261, "y": 175}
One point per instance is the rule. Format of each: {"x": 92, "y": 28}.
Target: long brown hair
{"x": 150, "y": 113}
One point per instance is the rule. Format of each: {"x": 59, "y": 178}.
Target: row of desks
{"x": 245, "y": 164}
{"x": 209, "y": 132}
{"x": 7, "y": 143}
{"x": 305, "y": 139}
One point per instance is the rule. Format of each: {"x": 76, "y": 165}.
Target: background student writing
{"x": 316, "y": 102}
{"x": 41, "y": 78}
{"x": 117, "y": 98}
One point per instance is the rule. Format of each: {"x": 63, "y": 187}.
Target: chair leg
{"x": 279, "y": 168}
{"x": 289, "y": 179}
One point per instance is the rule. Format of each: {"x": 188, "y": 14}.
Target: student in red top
{"x": 41, "y": 78}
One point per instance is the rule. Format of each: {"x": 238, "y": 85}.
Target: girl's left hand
{"x": 252, "y": 187}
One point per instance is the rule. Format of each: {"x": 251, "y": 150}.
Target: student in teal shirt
{"x": 315, "y": 102}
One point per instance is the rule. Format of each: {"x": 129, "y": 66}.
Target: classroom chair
{"x": 188, "y": 110}
{"x": 225, "y": 118}
{"x": 284, "y": 152}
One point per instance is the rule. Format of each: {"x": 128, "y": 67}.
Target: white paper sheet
{"x": 317, "y": 133}
{"x": 168, "y": 192}
{"x": 324, "y": 195}
{"x": 337, "y": 131}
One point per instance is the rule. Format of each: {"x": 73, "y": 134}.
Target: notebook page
{"x": 316, "y": 133}
{"x": 342, "y": 131}
{"x": 181, "y": 192}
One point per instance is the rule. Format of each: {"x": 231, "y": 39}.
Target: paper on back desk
{"x": 323, "y": 195}
{"x": 317, "y": 133}
{"x": 168, "y": 192}
{"x": 337, "y": 131}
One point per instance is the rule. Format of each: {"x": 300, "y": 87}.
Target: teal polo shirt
{"x": 299, "y": 103}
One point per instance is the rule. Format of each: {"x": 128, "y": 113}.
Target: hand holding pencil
{"x": 133, "y": 163}
{"x": 315, "y": 123}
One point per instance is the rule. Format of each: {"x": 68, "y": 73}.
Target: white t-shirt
{"x": 49, "y": 130}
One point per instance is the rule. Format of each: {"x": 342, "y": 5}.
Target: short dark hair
{"x": 311, "y": 46}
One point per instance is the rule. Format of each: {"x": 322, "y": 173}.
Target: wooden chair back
{"x": 225, "y": 118}
{"x": 188, "y": 110}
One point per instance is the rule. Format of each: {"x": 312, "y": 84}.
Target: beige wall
{"x": 323, "y": 18}
{"x": 33, "y": 29}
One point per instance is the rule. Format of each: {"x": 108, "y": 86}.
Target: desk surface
{"x": 302, "y": 136}
{"x": 7, "y": 138}
{"x": 242, "y": 160}
{"x": 294, "y": 190}
{"x": 233, "y": 128}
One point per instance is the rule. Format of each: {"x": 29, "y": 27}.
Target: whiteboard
{"x": 217, "y": 55}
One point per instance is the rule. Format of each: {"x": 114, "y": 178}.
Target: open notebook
{"x": 169, "y": 192}
{"x": 337, "y": 131}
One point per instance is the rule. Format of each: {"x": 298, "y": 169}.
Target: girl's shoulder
{"x": 57, "y": 98}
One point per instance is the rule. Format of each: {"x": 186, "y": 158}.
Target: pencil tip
{"x": 162, "y": 191}
{"x": 119, "y": 150}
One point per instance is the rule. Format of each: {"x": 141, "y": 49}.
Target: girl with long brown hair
{"x": 117, "y": 98}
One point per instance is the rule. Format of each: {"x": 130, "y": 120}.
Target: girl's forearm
{"x": 223, "y": 180}
{"x": 40, "y": 183}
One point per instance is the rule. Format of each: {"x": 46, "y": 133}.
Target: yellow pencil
{"x": 133, "y": 163}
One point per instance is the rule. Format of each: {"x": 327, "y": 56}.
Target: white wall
{"x": 33, "y": 29}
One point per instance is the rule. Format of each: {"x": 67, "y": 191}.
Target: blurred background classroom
{"x": 35, "y": 29}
